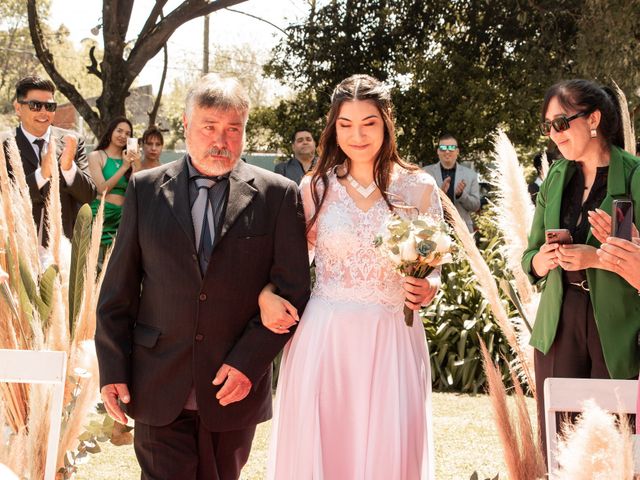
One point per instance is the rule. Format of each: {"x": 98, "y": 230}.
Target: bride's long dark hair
{"x": 356, "y": 87}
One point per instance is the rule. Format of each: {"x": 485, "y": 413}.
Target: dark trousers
{"x": 186, "y": 450}
{"x": 576, "y": 351}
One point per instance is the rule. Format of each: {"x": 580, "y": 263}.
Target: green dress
{"x": 112, "y": 213}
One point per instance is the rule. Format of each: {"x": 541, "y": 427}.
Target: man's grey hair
{"x": 213, "y": 91}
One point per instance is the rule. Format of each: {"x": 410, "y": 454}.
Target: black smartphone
{"x": 558, "y": 235}
{"x": 622, "y": 219}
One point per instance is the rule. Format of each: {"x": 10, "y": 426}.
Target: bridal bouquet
{"x": 416, "y": 246}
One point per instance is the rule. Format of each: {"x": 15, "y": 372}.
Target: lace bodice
{"x": 348, "y": 266}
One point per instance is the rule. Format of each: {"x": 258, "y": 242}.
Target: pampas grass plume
{"x": 627, "y": 124}
{"x": 513, "y": 215}
{"x": 594, "y": 448}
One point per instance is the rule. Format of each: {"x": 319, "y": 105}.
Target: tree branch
{"x": 150, "y": 44}
{"x": 93, "y": 68}
{"x": 150, "y": 24}
{"x": 156, "y": 105}
{"x": 46, "y": 58}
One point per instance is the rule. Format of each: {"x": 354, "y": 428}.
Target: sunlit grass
{"x": 465, "y": 441}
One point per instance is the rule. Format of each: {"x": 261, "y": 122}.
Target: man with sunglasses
{"x": 457, "y": 181}
{"x": 36, "y": 108}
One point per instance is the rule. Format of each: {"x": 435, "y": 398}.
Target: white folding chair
{"x": 27, "y": 366}
{"x": 569, "y": 394}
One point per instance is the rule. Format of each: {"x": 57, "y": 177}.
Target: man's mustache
{"x": 219, "y": 152}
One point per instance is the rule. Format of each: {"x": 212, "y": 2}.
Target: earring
{"x": 594, "y": 133}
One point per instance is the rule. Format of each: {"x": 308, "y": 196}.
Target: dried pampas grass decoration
{"x": 627, "y": 124}
{"x": 488, "y": 287}
{"x": 596, "y": 447}
{"x": 521, "y": 446}
{"x": 24, "y": 409}
{"x": 513, "y": 216}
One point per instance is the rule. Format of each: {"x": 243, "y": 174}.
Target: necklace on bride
{"x": 364, "y": 191}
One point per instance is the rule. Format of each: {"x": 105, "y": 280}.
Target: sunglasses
{"x": 451, "y": 148}
{"x": 560, "y": 124}
{"x": 36, "y": 106}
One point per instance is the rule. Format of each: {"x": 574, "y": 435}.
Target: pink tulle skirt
{"x": 353, "y": 400}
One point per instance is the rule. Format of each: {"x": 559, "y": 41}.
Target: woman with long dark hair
{"x": 588, "y": 319}
{"x": 354, "y": 389}
{"x": 110, "y": 165}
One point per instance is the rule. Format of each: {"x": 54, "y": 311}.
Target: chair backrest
{"x": 27, "y": 366}
{"x": 569, "y": 395}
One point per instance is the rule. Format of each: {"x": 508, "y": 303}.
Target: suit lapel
{"x": 55, "y": 133}
{"x": 241, "y": 193}
{"x": 27, "y": 153}
{"x": 175, "y": 190}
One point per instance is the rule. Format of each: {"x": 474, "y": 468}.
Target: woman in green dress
{"x": 111, "y": 165}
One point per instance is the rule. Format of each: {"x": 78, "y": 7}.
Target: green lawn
{"x": 465, "y": 440}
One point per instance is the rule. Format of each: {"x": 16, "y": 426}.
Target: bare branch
{"x": 156, "y": 105}
{"x": 150, "y": 24}
{"x": 148, "y": 46}
{"x": 257, "y": 18}
{"x": 93, "y": 68}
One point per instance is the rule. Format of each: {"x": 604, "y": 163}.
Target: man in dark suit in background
{"x": 36, "y": 108}
{"x": 179, "y": 337}
{"x": 303, "y": 159}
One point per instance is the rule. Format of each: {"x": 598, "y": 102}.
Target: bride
{"x": 353, "y": 399}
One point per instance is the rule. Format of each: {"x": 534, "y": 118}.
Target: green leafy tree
{"x": 17, "y": 56}
{"x": 462, "y": 67}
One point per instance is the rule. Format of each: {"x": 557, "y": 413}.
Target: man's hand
{"x": 460, "y": 188}
{"x": 235, "y": 388}
{"x": 69, "y": 152}
{"x": 445, "y": 184}
{"x": 110, "y": 395}
{"x": 48, "y": 159}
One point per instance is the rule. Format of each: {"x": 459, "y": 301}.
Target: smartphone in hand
{"x": 621, "y": 219}
{"x": 132, "y": 144}
{"x": 558, "y": 235}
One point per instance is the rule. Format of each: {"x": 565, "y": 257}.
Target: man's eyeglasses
{"x": 560, "y": 124}
{"x": 36, "y": 106}
{"x": 450, "y": 148}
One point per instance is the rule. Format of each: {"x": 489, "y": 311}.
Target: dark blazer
{"x": 616, "y": 304}
{"x": 163, "y": 327}
{"x": 292, "y": 169}
{"x": 73, "y": 196}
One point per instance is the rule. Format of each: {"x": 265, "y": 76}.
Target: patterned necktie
{"x": 40, "y": 143}
{"x": 203, "y": 224}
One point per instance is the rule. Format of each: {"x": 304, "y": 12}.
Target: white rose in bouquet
{"x": 408, "y": 251}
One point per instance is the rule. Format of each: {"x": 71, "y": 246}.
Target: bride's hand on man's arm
{"x": 420, "y": 291}
{"x": 277, "y": 314}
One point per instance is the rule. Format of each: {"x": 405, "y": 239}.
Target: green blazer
{"x": 616, "y": 304}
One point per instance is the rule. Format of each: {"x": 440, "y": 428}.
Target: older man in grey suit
{"x": 457, "y": 181}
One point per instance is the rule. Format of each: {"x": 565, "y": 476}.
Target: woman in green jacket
{"x": 588, "y": 318}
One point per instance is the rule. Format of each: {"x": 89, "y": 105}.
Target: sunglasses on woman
{"x": 560, "y": 124}
{"x": 36, "y": 106}
{"x": 451, "y": 148}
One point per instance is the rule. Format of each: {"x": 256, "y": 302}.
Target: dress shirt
{"x": 69, "y": 175}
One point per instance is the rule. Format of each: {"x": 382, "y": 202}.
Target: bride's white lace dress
{"x": 353, "y": 400}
